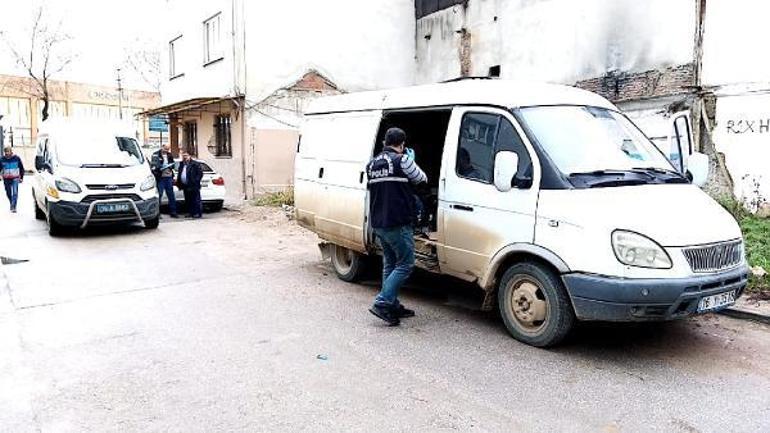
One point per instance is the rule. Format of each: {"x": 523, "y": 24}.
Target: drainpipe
{"x": 236, "y": 85}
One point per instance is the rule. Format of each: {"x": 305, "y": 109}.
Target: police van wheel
{"x": 534, "y": 305}
{"x": 348, "y": 265}
{"x": 39, "y": 214}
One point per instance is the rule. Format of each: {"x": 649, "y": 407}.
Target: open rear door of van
{"x": 342, "y": 144}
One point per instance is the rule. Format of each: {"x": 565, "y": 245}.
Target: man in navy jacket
{"x": 189, "y": 180}
{"x": 392, "y": 211}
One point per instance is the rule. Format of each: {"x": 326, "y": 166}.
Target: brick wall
{"x": 625, "y": 86}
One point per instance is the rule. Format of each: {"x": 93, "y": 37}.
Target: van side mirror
{"x": 39, "y": 162}
{"x": 506, "y": 166}
{"x": 698, "y": 166}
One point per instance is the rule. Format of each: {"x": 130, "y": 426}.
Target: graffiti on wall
{"x": 748, "y": 126}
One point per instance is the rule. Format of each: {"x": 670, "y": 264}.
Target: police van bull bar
{"x": 95, "y": 203}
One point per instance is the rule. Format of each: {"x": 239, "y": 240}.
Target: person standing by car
{"x": 163, "y": 169}
{"x": 189, "y": 179}
{"x": 13, "y": 175}
{"x": 392, "y": 210}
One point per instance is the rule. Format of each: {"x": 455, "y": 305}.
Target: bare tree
{"x": 42, "y": 57}
{"x": 145, "y": 62}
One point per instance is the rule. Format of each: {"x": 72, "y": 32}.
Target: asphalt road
{"x": 232, "y": 323}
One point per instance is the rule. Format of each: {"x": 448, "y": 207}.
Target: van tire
{"x": 534, "y": 305}
{"x": 39, "y": 214}
{"x": 152, "y": 223}
{"x": 349, "y": 265}
{"x": 54, "y": 228}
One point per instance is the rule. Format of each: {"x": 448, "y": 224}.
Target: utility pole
{"x": 120, "y": 96}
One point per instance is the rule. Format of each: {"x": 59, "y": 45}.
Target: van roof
{"x": 503, "y": 93}
{"x": 74, "y": 126}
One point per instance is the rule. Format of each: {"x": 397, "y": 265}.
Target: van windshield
{"x": 591, "y": 144}
{"x": 99, "y": 151}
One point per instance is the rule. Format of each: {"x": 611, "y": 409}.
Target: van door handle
{"x": 320, "y": 172}
{"x": 361, "y": 177}
{"x": 461, "y": 207}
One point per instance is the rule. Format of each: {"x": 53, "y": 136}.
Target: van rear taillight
{"x": 218, "y": 181}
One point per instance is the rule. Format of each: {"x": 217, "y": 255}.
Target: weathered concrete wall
{"x": 559, "y": 40}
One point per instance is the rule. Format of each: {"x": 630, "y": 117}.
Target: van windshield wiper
{"x": 673, "y": 176}
{"x": 600, "y": 173}
{"x": 103, "y": 166}
{"x": 618, "y": 182}
{"x": 610, "y": 177}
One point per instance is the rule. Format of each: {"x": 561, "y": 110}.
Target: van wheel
{"x": 152, "y": 223}
{"x": 534, "y": 305}
{"x": 54, "y": 228}
{"x": 348, "y": 264}
{"x": 39, "y": 214}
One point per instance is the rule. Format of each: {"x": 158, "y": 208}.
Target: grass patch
{"x": 275, "y": 199}
{"x": 756, "y": 235}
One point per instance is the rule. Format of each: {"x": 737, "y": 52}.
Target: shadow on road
{"x": 601, "y": 340}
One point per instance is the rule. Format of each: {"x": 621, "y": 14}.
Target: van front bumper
{"x": 74, "y": 214}
{"x": 630, "y": 300}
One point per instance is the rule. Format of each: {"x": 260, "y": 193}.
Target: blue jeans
{"x": 397, "y": 262}
{"x": 166, "y": 184}
{"x": 12, "y": 191}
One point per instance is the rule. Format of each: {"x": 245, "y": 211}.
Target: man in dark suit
{"x": 189, "y": 180}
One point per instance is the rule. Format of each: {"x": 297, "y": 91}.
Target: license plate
{"x": 714, "y": 302}
{"x": 112, "y": 208}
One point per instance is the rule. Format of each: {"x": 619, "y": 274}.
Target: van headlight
{"x": 65, "y": 185}
{"x": 148, "y": 183}
{"x": 633, "y": 249}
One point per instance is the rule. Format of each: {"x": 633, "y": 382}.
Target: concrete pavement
{"x": 218, "y": 324}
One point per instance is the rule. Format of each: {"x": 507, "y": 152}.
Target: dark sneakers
{"x": 403, "y": 312}
{"x": 385, "y": 314}
{"x": 391, "y": 315}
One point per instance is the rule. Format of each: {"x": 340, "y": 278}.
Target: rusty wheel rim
{"x": 343, "y": 260}
{"x": 528, "y": 305}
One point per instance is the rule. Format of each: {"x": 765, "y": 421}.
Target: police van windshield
{"x": 99, "y": 151}
{"x": 594, "y": 142}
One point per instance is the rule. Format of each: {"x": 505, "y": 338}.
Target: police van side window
{"x": 476, "y": 147}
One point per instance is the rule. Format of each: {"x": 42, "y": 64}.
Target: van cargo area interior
{"x": 425, "y": 133}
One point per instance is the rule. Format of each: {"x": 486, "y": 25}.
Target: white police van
{"x": 546, "y": 196}
{"x": 92, "y": 174}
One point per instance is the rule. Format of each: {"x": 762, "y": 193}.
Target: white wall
{"x": 557, "y": 40}
{"x": 742, "y": 133}
{"x": 736, "y": 32}
{"x": 358, "y": 45}
{"x": 215, "y": 80}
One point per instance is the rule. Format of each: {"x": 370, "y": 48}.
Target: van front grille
{"x": 109, "y": 186}
{"x": 716, "y": 257}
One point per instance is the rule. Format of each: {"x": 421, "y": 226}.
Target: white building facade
{"x": 240, "y": 73}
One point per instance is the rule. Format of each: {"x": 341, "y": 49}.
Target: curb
{"x": 746, "y": 315}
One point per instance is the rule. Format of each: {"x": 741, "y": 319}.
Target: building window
{"x": 222, "y": 130}
{"x": 212, "y": 41}
{"x": 191, "y": 138}
{"x": 173, "y": 48}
